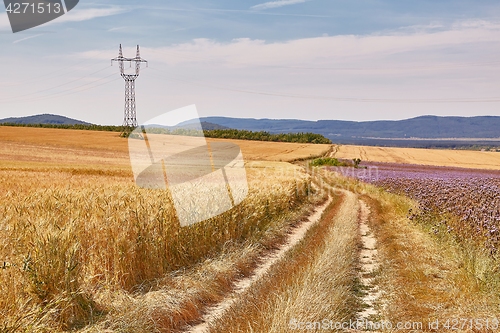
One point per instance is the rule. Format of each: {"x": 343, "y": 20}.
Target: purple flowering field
{"x": 471, "y": 195}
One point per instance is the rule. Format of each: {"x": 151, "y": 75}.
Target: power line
{"x": 54, "y": 87}
{"x": 335, "y": 99}
{"x": 68, "y": 91}
{"x": 52, "y": 74}
{"x": 74, "y": 92}
{"x": 183, "y": 56}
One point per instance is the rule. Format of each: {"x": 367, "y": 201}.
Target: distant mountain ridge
{"x": 44, "y": 119}
{"x": 423, "y": 131}
{"x": 423, "y": 127}
{"x": 53, "y": 119}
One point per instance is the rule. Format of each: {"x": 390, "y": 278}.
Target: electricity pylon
{"x": 130, "y": 116}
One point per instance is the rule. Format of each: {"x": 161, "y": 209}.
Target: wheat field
{"x": 438, "y": 157}
{"x": 83, "y": 248}
{"x": 89, "y": 147}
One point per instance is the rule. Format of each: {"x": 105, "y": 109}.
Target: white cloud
{"x": 315, "y": 77}
{"x": 116, "y": 29}
{"x": 329, "y": 51}
{"x": 276, "y": 4}
{"x": 26, "y": 38}
{"x": 478, "y": 24}
{"x": 341, "y": 51}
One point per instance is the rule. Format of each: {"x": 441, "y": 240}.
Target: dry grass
{"x": 82, "y": 247}
{"x": 314, "y": 281}
{"x": 440, "y": 157}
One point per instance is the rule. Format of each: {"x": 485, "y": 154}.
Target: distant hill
{"x": 424, "y": 131}
{"x": 409, "y": 132}
{"x": 425, "y": 127}
{"x": 206, "y": 126}
{"x": 44, "y": 119}
{"x": 211, "y": 126}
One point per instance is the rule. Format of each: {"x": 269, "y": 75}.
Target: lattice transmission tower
{"x": 130, "y": 115}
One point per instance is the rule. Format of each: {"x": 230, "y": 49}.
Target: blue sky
{"x": 316, "y": 59}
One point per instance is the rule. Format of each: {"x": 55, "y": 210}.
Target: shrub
{"x": 331, "y": 161}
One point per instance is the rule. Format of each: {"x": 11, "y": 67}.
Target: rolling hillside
{"x": 44, "y": 119}
{"x": 424, "y": 127}
{"x": 420, "y": 132}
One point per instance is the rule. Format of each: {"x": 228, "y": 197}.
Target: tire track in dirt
{"x": 369, "y": 264}
{"x": 356, "y": 210}
{"x": 268, "y": 261}
{"x": 334, "y": 150}
{"x": 368, "y": 259}
{"x": 363, "y": 154}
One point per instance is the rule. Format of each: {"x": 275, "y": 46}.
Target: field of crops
{"x": 78, "y": 237}
{"x": 439, "y": 157}
{"x": 469, "y": 198}
{"x": 91, "y": 147}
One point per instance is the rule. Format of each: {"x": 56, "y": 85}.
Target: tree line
{"x": 215, "y": 133}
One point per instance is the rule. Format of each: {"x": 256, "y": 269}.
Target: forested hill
{"x": 424, "y": 127}
{"x": 43, "y": 119}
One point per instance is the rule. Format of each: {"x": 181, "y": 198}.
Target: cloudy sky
{"x": 304, "y": 59}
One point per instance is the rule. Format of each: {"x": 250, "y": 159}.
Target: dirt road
{"x": 348, "y": 225}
